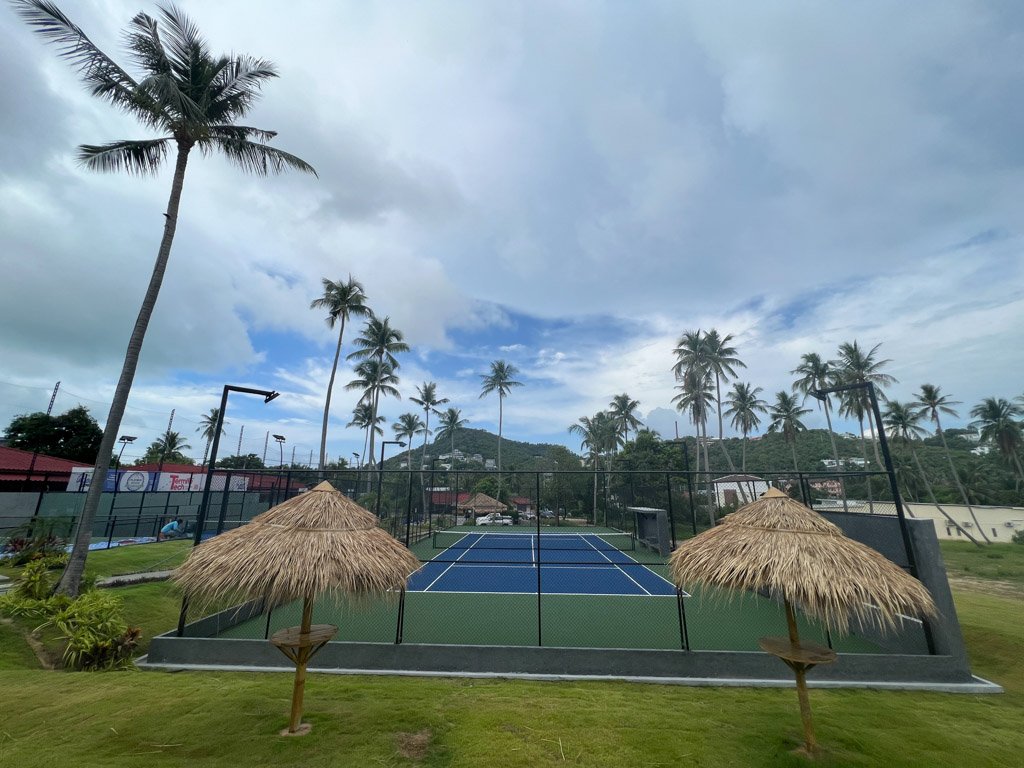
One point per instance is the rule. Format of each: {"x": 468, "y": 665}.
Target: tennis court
{"x": 556, "y": 563}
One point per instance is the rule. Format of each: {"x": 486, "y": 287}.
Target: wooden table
{"x": 800, "y": 657}
{"x": 299, "y": 646}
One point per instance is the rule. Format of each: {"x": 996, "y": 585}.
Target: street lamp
{"x": 280, "y": 444}
{"x": 380, "y": 470}
{"x": 124, "y": 440}
{"x": 268, "y": 395}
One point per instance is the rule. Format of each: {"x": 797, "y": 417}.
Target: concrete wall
{"x": 999, "y": 523}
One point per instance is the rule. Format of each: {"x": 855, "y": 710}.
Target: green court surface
{"x": 712, "y": 621}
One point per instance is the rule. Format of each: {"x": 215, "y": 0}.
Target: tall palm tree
{"x": 194, "y": 99}
{"x": 816, "y": 374}
{"x": 375, "y": 378}
{"x": 722, "y": 362}
{"x": 170, "y": 444}
{"x": 208, "y": 429}
{"x": 931, "y": 402}
{"x": 342, "y": 300}
{"x": 599, "y": 435}
{"x": 362, "y": 418}
{"x": 785, "y": 414}
{"x": 995, "y": 418}
{"x": 406, "y": 428}
{"x": 855, "y": 366}
{"x": 427, "y": 400}
{"x": 695, "y": 398}
{"x": 380, "y": 342}
{"x": 744, "y": 407}
{"x": 451, "y": 421}
{"x": 904, "y": 421}
{"x": 499, "y": 380}
{"x": 623, "y": 410}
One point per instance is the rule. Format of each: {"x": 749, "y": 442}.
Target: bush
{"x": 35, "y": 582}
{"x": 1018, "y": 537}
{"x": 35, "y": 540}
{"x": 95, "y": 632}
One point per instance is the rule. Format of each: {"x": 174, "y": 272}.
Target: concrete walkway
{"x": 128, "y": 579}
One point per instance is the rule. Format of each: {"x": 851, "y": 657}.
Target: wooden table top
{"x": 804, "y": 653}
{"x": 292, "y": 637}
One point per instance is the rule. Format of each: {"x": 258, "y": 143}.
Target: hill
{"x": 514, "y": 454}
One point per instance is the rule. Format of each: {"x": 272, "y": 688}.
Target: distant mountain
{"x": 514, "y": 454}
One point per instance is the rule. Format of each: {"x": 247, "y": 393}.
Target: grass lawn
{"x": 992, "y": 562}
{"x": 157, "y": 719}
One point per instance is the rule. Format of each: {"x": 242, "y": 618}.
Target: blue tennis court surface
{"x": 507, "y": 563}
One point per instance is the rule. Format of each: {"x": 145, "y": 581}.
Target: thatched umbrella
{"x": 320, "y": 542}
{"x": 777, "y": 545}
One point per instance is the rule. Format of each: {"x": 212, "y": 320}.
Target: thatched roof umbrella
{"x": 320, "y": 542}
{"x": 777, "y": 545}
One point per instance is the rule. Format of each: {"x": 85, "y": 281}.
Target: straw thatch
{"x": 482, "y": 504}
{"x": 318, "y": 542}
{"x": 779, "y": 546}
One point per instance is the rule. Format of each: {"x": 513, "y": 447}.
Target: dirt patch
{"x": 987, "y": 586}
{"x": 414, "y": 746}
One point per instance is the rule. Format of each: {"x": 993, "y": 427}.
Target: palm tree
{"x": 427, "y": 400}
{"x": 995, "y": 418}
{"x": 695, "y": 397}
{"x": 208, "y": 428}
{"x": 169, "y": 444}
{"x": 599, "y": 434}
{"x": 816, "y": 374}
{"x": 379, "y": 342}
{"x": 785, "y": 416}
{"x": 744, "y": 405}
{"x": 342, "y": 300}
{"x": 362, "y": 418}
{"x": 451, "y": 421}
{"x": 722, "y": 362}
{"x": 194, "y": 98}
{"x": 855, "y": 366}
{"x": 931, "y": 402}
{"x": 375, "y": 378}
{"x": 904, "y": 421}
{"x": 499, "y": 380}
{"x": 623, "y": 410}
{"x": 406, "y": 428}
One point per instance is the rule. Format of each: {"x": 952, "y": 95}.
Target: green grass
{"x": 138, "y": 558}
{"x": 1000, "y": 562}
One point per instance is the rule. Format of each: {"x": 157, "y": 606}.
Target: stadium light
{"x": 124, "y": 440}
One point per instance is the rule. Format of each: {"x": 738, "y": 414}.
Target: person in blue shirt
{"x": 172, "y": 530}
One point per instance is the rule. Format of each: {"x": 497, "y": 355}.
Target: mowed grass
{"x": 998, "y": 562}
{"x": 158, "y": 719}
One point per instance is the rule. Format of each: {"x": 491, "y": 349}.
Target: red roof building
{"x": 18, "y": 466}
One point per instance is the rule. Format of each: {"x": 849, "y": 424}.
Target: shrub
{"x": 1018, "y": 537}
{"x": 35, "y": 540}
{"x": 35, "y": 582}
{"x": 95, "y": 633}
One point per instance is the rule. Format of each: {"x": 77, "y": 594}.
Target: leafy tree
{"x": 995, "y": 418}
{"x": 623, "y": 411}
{"x": 168, "y": 448}
{"x": 208, "y": 429}
{"x": 194, "y": 98}
{"x": 249, "y": 461}
{"x": 785, "y": 414}
{"x": 599, "y": 435}
{"x": 342, "y": 300}
{"x": 499, "y": 380}
{"x": 931, "y": 402}
{"x": 72, "y": 435}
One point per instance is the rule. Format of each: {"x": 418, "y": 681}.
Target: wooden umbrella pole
{"x": 302, "y": 657}
{"x": 810, "y": 743}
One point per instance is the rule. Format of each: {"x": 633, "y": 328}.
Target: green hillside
{"x": 514, "y": 454}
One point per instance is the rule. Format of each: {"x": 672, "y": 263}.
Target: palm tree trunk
{"x": 373, "y": 430}
{"x": 327, "y": 402}
{"x": 864, "y": 452}
{"x": 501, "y": 402}
{"x": 792, "y": 447}
{"x": 931, "y": 496}
{"x": 206, "y": 451}
{"x": 593, "y": 458}
{"x": 835, "y": 452}
{"x": 71, "y": 579}
{"x": 956, "y": 478}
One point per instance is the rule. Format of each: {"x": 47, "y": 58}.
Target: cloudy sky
{"x": 564, "y": 185}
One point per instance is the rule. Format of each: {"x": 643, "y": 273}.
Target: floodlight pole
{"x": 124, "y": 440}
{"x": 380, "y": 472}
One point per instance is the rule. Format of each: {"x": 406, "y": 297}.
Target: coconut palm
{"x": 903, "y": 421}
{"x": 623, "y": 410}
{"x": 785, "y": 414}
{"x": 599, "y": 435}
{"x": 170, "y": 445}
{"x": 208, "y": 429}
{"x": 427, "y": 400}
{"x": 995, "y": 418}
{"x": 375, "y": 378}
{"x": 855, "y": 366}
{"x": 342, "y": 300}
{"x": 362, "y": 418}
{"x": 931, "y": 402}
{"x": 406, "y": 428}
{"x": 194, "y": 99}
{"x": 499, "y": 380}
{"x": 722, "y": 362}
{"x": 451, "y": 421}
{"x": 744, "y": 407}
{"x": 694, "y": 398}
{"x": 817, "y": 374}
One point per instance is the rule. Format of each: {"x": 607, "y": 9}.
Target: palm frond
{"x": 255, "y": 157}
{"x": 100, "y": 73}
{"x": 237, "y": 85}
{"x": 137, "y": 157}
{"x": 184, "y": 43}
{"x": 241, "y": 133}
{"x": 143, "y": 41}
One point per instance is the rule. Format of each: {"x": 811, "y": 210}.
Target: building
{"x": 735, "y": 490}
{"x": 480, "y": 504}
{"x": 27, "y": 471}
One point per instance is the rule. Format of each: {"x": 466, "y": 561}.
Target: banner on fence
{"x": 136, "y": 481}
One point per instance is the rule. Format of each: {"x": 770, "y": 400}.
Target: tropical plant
{"x": 855, "y": 366}
{"x": 194, "y": 98}
{"x": 744, "y": 407}
{"x": 342, "y": 300}
{"x": 785, "y": 414}
{"x": 208, "y": 429}
{"x": 623, "y": 411}
{"x": 427, "y": 400}
{"x": 500, "y": 380}
{"x": 451, "y": 421}
{"x": 375, "y": 378}
{"x": 599, "y": 435}
{"x": 362, "y": 418}
{"x": 931, "y": 402}
{"x": 694, "y": 398}
{"x": 169, "y": 447}
{"x": 996, "y": 419}
{"x": 904, "y": 421}
{"x": 94, "y": 632}
{"x": 406, "y": 428}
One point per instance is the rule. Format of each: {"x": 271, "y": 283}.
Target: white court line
{"x": 453, "y": 563}
{"x": 534, "y": 593}
{"x": 613, "y": 563}
{"x": 645, "y": 565}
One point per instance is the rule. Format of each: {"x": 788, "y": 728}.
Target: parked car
{"x": 495, "y": 518}
{"x": 547, "y": 514}
{"x": 528, "y": 515}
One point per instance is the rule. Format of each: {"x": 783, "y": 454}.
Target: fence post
{"x": 408, "y": 508}
{"x": 689, "y": 487}
{"x": 671, "y": 515}
{"x": 540, "y": 636}
{"x": 684, "y": 634}
{"x": 110, "y": 537}
{"x": 400, "y": 628}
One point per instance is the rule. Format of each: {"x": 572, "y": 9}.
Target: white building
{"x": 736, "y": 490}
